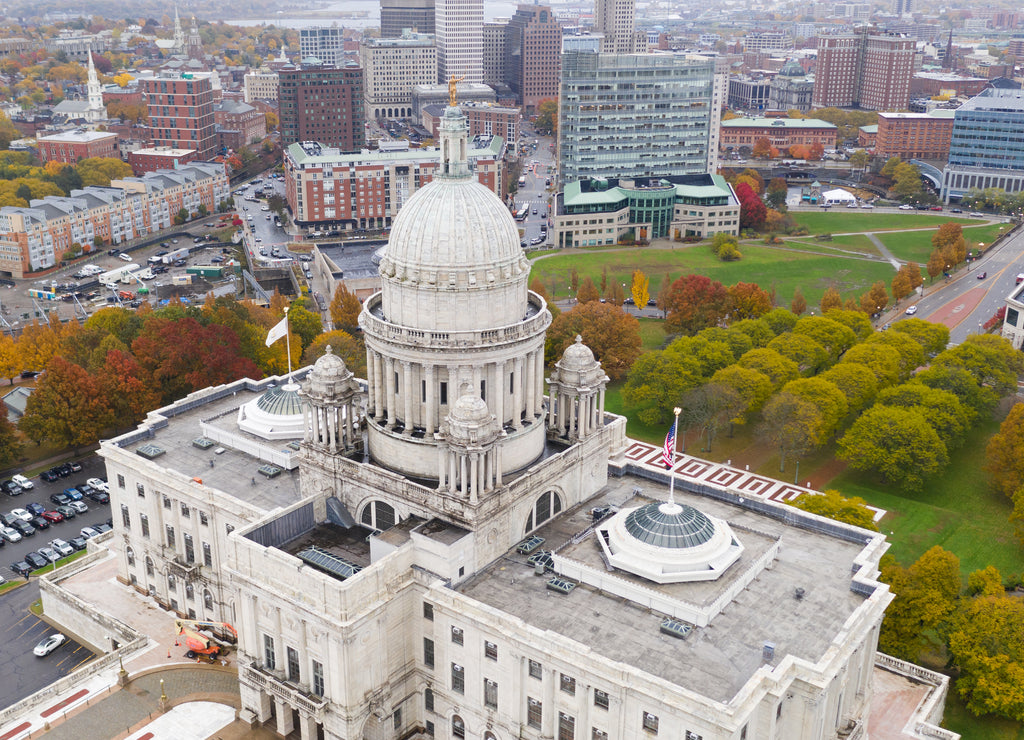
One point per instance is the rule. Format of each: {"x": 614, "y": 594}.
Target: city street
{"x": 535, "y": 194}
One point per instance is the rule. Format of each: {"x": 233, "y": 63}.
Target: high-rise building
{"x": 533, "y": 49}
{"x": 324, "y": 43}
{"x": 914, "y": 135}
{"x": 904, "y": 7}
{"x": 986, "y": 147}
{"x": 392, "y": 67}
{"x": 494, "y": 51}
{"x": 399, "y": 15}
{"x": 324, "y": 104}
{"x": 459, "y": 32}
{"x": 866, "y": 70}
{"x": 616, "y": 21}
{"x": 633, "y": 115}
{"x": 181, "y": 113}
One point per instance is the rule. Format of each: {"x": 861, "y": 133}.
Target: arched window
{"x": 490, "y": 736}
{"x": 458, "y": 727}
{"x": 190, "y": 592}
{"x": 149, "y": 566}
{"x": 547, "y": 505}
{"x": 208, "y": 600}
{"x": 378, "y": 515}
{"x": 172, "y": 584}
{"x": 130, "y": 554}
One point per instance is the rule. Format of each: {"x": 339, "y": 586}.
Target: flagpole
{"x": 288, "y": 344}
{"x": 671, "y": 475}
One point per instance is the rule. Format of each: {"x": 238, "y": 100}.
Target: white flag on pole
{"x": 278, "y": 331}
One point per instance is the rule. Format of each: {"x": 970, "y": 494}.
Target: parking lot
{"x": 11, "y": 552}
{"x": 24, "y": 673}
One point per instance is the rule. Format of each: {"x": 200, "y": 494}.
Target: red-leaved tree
{"x": 752, "y": 209}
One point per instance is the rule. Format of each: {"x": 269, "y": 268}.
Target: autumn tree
{"x": 830, "y": 299}
{"x": 810, "y": 357}
{"x": 749, "y": 301}
{"x": 708, "y": 407}
{"x": 752, "y": 387}
{"x": 875, "y": 299}
{"x": 547, "y": 116}
{"x": 101, "y": 170}
{"x": 657, "y": 382}
{"x": 11, "y": 445}
{"x": 832, "y": 504}
{"x": 833, "y": 336}
{"x": 889, "y": 168}
{"x": 305, "y": 323}
{"x": 344, "y": 309}
{"x": 10, "y": 362}
{"x": 612, "y": 334}
{"x": 897, "y": 444}
{"x": 907, "y": 181}
{"x": 901, "y": 287}
{"x": 587, "y": 292}
{"x": 789, "y": 424}
{"x": 695, "y": 302}
{"x": 778, "y": 368}
{"x": 1004, "y": 456}
{"x": 926, "y": 596}
{"x": 757, "y": 330}
{"x": 344, "y": 345}
{"x": 990, "y": 359}
{"x": 752, "y": 209}
{"x": 799, "y": 304}
{"x": 640, "y": 288}
{"x": 944, "y": 412}
{"x": 762, "y": 148}
{"x": 933, "y": 338}
{"x": 126, "y": 391}
{"x": 67, "y": 408}
{"x": 829, "y": 401}
{"x": 36, "y": 345}
{"x": 855, "y": 381}
{"x": 777, "y": 191}
{"x": 950, "y": 243}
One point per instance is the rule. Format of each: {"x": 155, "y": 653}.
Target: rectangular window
{"x": 490, "y": 650}
{"x": 692, "y": 736}
{"x": 457, "y": 636}
{"x": 185, "y": 511}
{"x": 141, "y": 490}
{"x": 430, "y": 728}
{"x": 428, "y": 611}
{"x": 743, "y": 733}
{"x": 170, "y": 537}
{"x": 596, "y": 734}
{"x": 600, "y": 699}
{"x": 397, "y": 718}
{"x": 428, "y": 652}
{"x": 490, "y": 694}
{"x": 650, "y": 722}
{"x": 190, "y": 550}
{"x": 120, "y": 481}
{"x": 203, "y": 518}
{"x": 483, "y": 390}
{"x": 535, "y": 670}
{"x": 207, "y": 555}
{"x": 126, "y": 518}
{"x": 566, "y": 726}
{"x": 269, "y": 659}
{"x": 144, "y": 521}
{"x": 293, "y": 665}
{"x": 167, "y": 502}
{"x": 534, "y": 712}
{"x": 318, "y": 678}
{"x": 568, "y": 684}
{"x": 458, "y": 679}
{"x": 428, "y": 700}
{"x": 444, "y": 393}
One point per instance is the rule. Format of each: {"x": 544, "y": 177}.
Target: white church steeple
{"x": 95, "y": 90}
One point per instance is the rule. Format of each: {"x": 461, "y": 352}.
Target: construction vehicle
{"x": 198, "y": 644}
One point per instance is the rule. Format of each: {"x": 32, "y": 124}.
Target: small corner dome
{"x": 470, "y": 422}
{"x": 577, "y": 356}
{"x": 470, "y": 410}
{"x": 329, "y": 366}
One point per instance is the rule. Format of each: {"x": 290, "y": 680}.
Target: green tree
{"x": 859, "y": 159}
{"x": 780, "y": 320}
{"x": 738, "y": 342}
{"x": 752, "y": 388}
{"x": 961, "y": 384}
{"x": 809, "y": 356}
{"x": 933, "y": 338}
{"x": 897, "y": 444}
{"x": 101, "y": 170}
{"x": 907, "y": 181}
{"x": 789, "y": 423}
{"x": 926, "y": 596}
{"x": 11, "y": 445}
{"x": 758, "y": 330}
{"x": 829, "y": 401}
{"x": 909, "y": 350}
{"x": 833, "y": 336}
{"x": 944, "y": 412}
{"x": 834, "y": 505}
{"x": 657, "y": 382}
{"x": 1004, "y": 456}
{"x": 889, "y": 168}
{"x": 709, "y": 406}
{"x": 303, "y": 322}
{"x": 181, "y": 217}
{"x": 855, "y": 320}
{"x": 990, "y": 359}
{"x": 778, "y": 368}
{"x": 856, "y": 382}
{"x": 882, "y": 360}
{"x": 776, "y": 193}
{"x": 342, "y": 344}
{"x": 986, "y": 642}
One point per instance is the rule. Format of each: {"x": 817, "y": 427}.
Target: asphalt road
{"x": 24, "y": 673}
{"x": 535, "y": 194}
{"x": 92, "y": 467}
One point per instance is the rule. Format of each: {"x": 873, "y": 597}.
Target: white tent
{"x": 838, "y": 196}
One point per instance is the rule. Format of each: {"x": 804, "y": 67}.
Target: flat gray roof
{"x": 714, "y": 661}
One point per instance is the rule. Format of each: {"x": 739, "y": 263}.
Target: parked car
{"x": 24, "y": 528}
{"x": 911, "y": 310}
{"x": 88, "y": 532}
{"x": 84, "y": 488}
{"x": 906, "y": 207}
{"x": 48, "y": 644}
{"x": 35, "y": 560}
{"x": 63, "y": 470}
{"x": 59, "y": 499}
{"x": 24, "y": 482}
{"x": 73, "y": 494}
{"x": 76, "y": 467}
{"x": 936, "y": 208}
{"x": 21, "y": 567}
{"x": 867, "y": 205}
{"x": 53, "y": 517}
{"x": 956, "y": 210}
{"x": 77, "y": 542}
{"x": 10, "y": 534}
{"x": 98, "y": 483}
{"x": 50, "y": 476}
{"x": 8, "y": 519}
{"x": 67, "y": 512}
{"x": 103, "y": 528}
{"x": 63, "y": 548}
{"x": 49, "y": 553}
{"x": 100, "y": 497}
{"x": 35, "y": 509}
{"x": 124, "y": 257}
{"x": 39, "y": 523}
{"x": 982, "y": 275}
{"x": 23, "y": 514}
{"x": 10, "y": 488}
{"x": 79, "y": 507}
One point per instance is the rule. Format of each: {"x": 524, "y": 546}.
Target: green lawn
{"x": 837, "y": 222}
{"x": 652, "y": 335}
{"x": 916, "y": 246}
{"x": 988, "y": 727}
{"x": 773, "y": 269}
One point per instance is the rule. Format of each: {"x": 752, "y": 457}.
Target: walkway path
{"x": 883, "y": 250}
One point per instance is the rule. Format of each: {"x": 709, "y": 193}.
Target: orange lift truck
{"x": 198, "y": 644}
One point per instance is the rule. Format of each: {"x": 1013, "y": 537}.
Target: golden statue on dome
{"x": 453, "y": 98}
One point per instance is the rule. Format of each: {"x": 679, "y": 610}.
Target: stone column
{"x": 316, "y": 425}
{"x": 463, "y": 483}
{"x": 517, "y": 395}
{"x": 452, "y": 477}
{"x": 263, "y": 710}
{"x": 332, "y": 427}
{"x": 389, "y": 391}
{"x": 531, "y": 385}
{"x": 497, "y": 465}
{"x": 539, "y": 378}
{"x": 284, "y": 718}
{"x": 552, "y": 406}
{"x": 307, "y": 423}
{"x": 307, "y": 727}
{"x": 494, "y": 394}
{"x": 430, "y": 415}
{"x": 600, "y": 403}
{"x": 474, "y": 479}
{"x": 407, "y": 393}
{"x": 371, "y": 391}
{"x": 477, "y": 375}
{"x": 440, "y": 468}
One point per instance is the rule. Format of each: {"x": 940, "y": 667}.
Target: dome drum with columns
{"x": 577, "y": 387}
{"x": 454, "y": 318}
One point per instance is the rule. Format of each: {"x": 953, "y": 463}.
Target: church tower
{"x": 179, "y": 34}
{"x": 195, "y": 41}
{"x": 96, "y": 107}
{"x": 455, "y": 337}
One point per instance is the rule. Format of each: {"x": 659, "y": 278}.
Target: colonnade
{"x": 575, "y": 414}
{"x": 332, "y": 426}
{"x": 469, "y": 472}
{"x": 418, "y": 395}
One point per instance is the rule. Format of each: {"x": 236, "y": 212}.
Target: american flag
{"x": 668, "y": 453}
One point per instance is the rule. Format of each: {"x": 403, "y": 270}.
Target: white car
{"x": 99, "y": 483}
{"x": 79, "y": 507}
{"x": 10, "y": 534}
{"x": 49, "y": 553}
{"x": 48, "y": 644}
{"x": 906, "y": 207}
{"x": 88, "y": 532}
{"x": 124, "y": 257}
{"x": 867, "y": 205}
{"x": 22, "y": 514}
{"x": 62, "y": 547}
{"x": 911, "y": 311}
{"x": 23, "y": 482}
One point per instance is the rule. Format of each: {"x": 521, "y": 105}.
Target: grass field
{"x": 958, "y": 719}
{"x": 773, "y": 269}
{"x": 839, "y": 222}
{"x": 916, "y": 246}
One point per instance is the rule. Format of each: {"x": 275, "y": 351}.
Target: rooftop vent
{"x": 676, "y": 629}
{"x": 768, "y": 652}
{"x": 202, "y": 443}
{"x": 529, "y": 545}
{"x": 271, "y": 471}
{"x": 798, "y": 594}
{"x": 150, "y": 452}
{"x": 543, "y": 559}
{"x": 561, "y": 585}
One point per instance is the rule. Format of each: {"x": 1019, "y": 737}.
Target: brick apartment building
{"x": 866, "y": 70}
{"x": 72, "y": 146}
{"x": 245, "y": 121}
{"x": 37, "y": 236}
{"x": 914, "y": 135}
{"x": 482, "y": 118}
{"x": 930, "y": 84}
{"x": 181, "y": 113}
{"x": 781, "y": 132}
{"x": 327, "y": 188}
{"x": 153, "y": 159}
{"x": 322, "y": 104}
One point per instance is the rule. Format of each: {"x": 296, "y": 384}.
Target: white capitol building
{"x": 445, "y": 551}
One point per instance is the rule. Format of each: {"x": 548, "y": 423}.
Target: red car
{"x": 53, "y": 516}
{"x": 936, "y": 208}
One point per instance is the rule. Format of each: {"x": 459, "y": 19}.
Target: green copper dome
{"x": 669, "y": 525}
{"x": 281, "y": 401}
